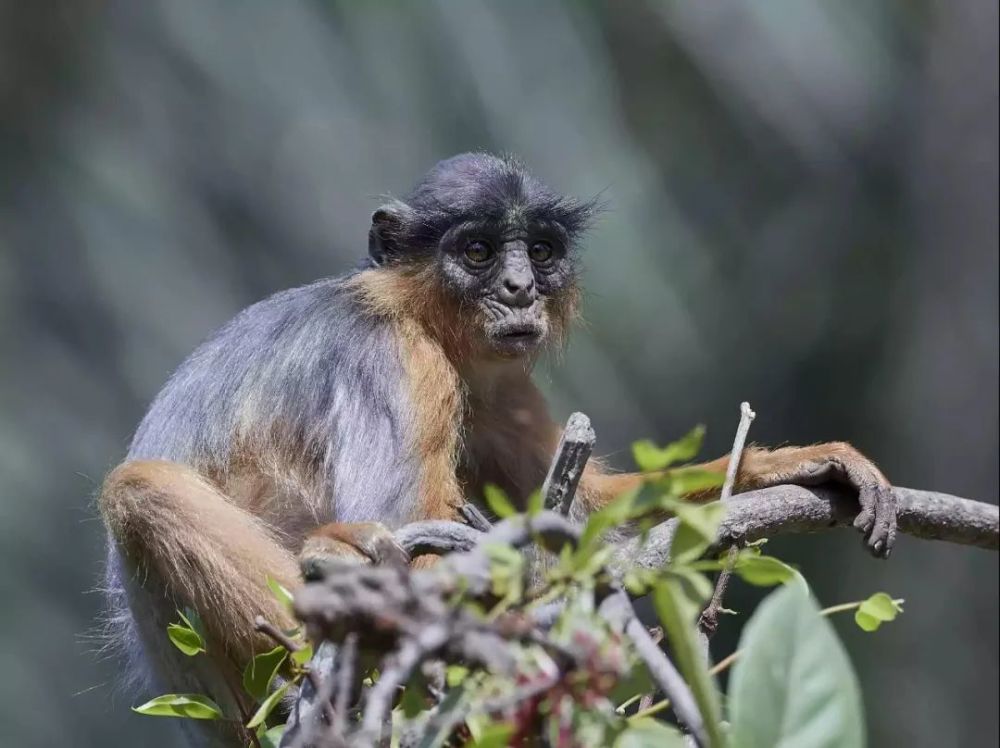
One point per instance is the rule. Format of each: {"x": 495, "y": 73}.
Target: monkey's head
{"x": 495, "y": 242}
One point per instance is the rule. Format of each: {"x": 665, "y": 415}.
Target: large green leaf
{"x": 268, "y": 706}
{"x": 190, "y": 705}
{"x": 261, "y": 670}
{"x": 793, "y": 684}
{"x": 649, "y": 733}
{"x": 678, "y": 603}
{"x": 271, "y": 738}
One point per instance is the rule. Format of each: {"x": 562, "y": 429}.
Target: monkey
{"x": 320, "y": 419}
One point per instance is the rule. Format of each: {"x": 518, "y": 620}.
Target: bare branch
{"x": 618, "y": 610}
{"x": 789, "y": 510}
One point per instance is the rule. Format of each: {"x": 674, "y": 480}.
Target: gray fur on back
{"x": 307, "y": 370}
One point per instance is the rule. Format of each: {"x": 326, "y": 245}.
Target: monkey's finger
{"x": 884, "y": 530}
{"x": 865, "y": 521}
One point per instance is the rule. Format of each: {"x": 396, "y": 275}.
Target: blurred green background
{"x": 803, "y": 214}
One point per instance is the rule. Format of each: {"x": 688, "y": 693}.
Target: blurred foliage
{"x": 803, "y": 214}
{"x": 577, "y": 682}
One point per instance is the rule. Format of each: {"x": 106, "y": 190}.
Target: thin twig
{"x": 708, "y": 621}
{"x": 345, "y": 678}
{"x": 736, "y": 456}
{"x": 264, "y": 626}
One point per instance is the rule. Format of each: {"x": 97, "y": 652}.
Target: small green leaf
{"x": 280, "y": 592}
{"x": 271, "y": 738}
{"x": 189, "y": 705}
{"x": 497, "y": 501}
{"x": 705, "y": 518}
{"x": 694, "y": 479}
{"x": 268, "y": 705}
{"x": 455, "y": 674}
{"x": 494, "y": 735}
{"x": 301, "y": 656}
{"x": 695, "y": 587}
{"x": 259, "y": 673}
{"x": 764, "y": 571}
{"x": 688, "y": 545}
{"x": 185, "y": 639}
{"x": 696, "y": 531}
{"x": 649, "y": 733}
{"x": 877, "y": 609}
{"x": 650, "y": 458}
{"x": 536, "y": 502}
{"x": 793, "y": 684}
{"x": 193, "y": 621}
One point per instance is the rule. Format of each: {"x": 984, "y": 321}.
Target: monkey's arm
{"x": 761, "y": 468}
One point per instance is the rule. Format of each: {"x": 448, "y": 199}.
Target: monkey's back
{"x": 297, "y": 404}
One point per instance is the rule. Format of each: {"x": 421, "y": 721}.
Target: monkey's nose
{"x": 518, "y": 290}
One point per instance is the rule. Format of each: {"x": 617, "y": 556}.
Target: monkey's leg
{"x": 181, "y": 538}
{"x": 807, "y": 466}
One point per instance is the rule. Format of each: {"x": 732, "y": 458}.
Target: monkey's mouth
{"x": 516, "y": 338}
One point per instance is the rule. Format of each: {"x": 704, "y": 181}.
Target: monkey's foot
{"x": 340, "y": 544}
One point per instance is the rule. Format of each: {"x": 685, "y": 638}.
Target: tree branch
{"x": 788, "y": 510}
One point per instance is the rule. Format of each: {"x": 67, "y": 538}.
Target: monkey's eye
{"x": 478, "y": 252}
{"x": 541, "y": 253}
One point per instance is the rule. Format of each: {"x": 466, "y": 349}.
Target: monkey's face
{"x": 496, "y": 241}
{"x": 515, "y": 281}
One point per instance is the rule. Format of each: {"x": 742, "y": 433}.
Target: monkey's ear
{"x": 385, "y": 237}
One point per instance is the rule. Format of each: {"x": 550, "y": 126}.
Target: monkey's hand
{"x": 841, "y": 463}
{"x": 340, "y": 543}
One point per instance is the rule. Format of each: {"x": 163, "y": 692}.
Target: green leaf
{"x": 455, "y": 674}
{"x": 271, "y": 738}
{"x": 413, "y": 700}
{"x": 650, "y": 458}
{"x": 696, "y": 531}
{"x": 301, "y": 656}
{"x": 764, "y": 571}
{"x": 693, "y": 479}
{"x": 695, "y": 588}
{"x": 190, "y": 705}
{"x": 877, "y": 609}
{"x": 793, "y": 684}
{"x": 705, "y": 518}
{"x": 193, "y": 621}
{"x": 280, "y": 592}
{"x": 260, "y": 671}
{"x": 677, "y": 610}
{"x": 268, "y": 705}
{"x": 536, "y": 502}
{"x": 649, "y": 733}
{"x": 688, "y": 545}
{"x": 185, "y": 639}
{"x": 494, "y": 735}
{"x": 497, "y": 501}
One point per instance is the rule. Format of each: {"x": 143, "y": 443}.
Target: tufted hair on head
{"x": 473, "y": 186}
